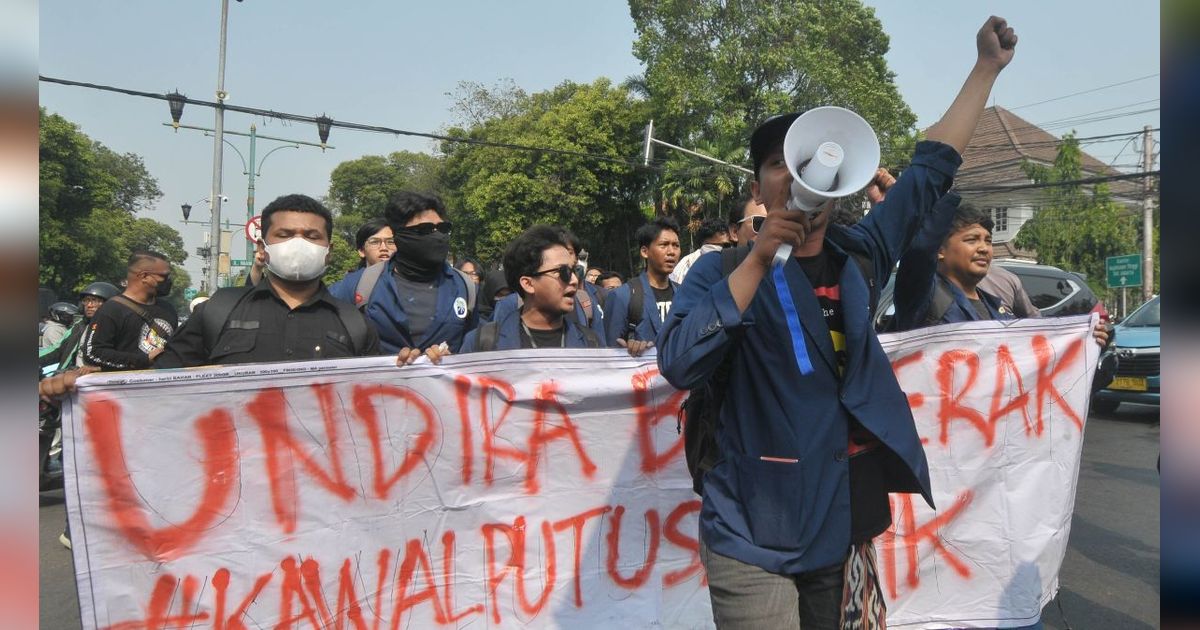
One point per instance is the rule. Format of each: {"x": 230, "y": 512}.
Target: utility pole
{"x": 1147, "y": 216}
{"x": 218, "y": 151}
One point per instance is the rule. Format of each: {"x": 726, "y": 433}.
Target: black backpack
{"x": 219, "y": 307}
{"x": 700, "y": 412}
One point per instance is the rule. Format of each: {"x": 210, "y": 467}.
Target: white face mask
{"x": 296, "y": 259}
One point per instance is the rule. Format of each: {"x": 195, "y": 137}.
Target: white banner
{"x": 532, "y": 488}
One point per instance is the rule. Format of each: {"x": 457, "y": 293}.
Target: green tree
{"x": 359, "y": 190}
{"x": 717, "y": 68}
{"x": 1077, "y": 227}
{"x": 90, "y": 196}
{"x": 496, "y": 192}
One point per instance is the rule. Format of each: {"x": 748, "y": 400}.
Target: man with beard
{"x": 634, "y": 312}
{"x": 539, "y": 265}
{"x": 416, "y": 301}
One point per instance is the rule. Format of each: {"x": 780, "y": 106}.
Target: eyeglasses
{"x": 756, "y": 222}
{"x": 425, "y": 229}
{"x": 564, "y": 272}
{"x": 380, "y": 242}
{"x": 164, "y": 276}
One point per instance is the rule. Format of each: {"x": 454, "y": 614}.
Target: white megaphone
{"x": 831, "y": 152}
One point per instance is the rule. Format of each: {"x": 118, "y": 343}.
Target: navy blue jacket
{"x": 616, "y": 312}
{"x": 510, "y": 304}
{"x": 451, "y": 318}
{"x": 508, "y": 337}
{"x": 918, "y": 280}
{"x": 794, "y": 517}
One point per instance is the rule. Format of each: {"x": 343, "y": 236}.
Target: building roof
{"x": 1003, "y": 140}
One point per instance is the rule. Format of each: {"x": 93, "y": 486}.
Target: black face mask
{"x": 421, "y": 256}
{"x": 164, "y": 288}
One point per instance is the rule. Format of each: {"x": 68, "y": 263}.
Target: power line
{"x": 1074, "y": 182}
{"x": 1098, "y": 111}
{"x": 267, "y": 113}
{"x": 1097, "y": 89}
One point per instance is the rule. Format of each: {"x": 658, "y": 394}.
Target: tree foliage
{"x": 1077, "y": 227}
{"x": 496, "y": 192}
{"x": 90, "y": 197}
{"x": 359, "y": 190}
{"x": 715, "y": 69}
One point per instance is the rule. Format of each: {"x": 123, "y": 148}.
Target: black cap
{"x": 768, "y": 137}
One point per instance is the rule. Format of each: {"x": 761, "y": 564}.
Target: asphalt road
{"x": 1109, "y": 577}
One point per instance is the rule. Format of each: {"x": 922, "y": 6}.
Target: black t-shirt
{"x": 870, "y": 513}
{"x": 118, "y": 338}
{"x": 981, "y": 309}
{"x": 534, "y": 338}
{"x": 663, "y": 297}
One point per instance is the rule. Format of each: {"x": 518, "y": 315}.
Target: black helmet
{"x": 64, "y": 312}
{"x": 102, "y": 290}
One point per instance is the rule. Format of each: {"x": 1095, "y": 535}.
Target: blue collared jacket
{"x": 511, "y": 303}
{"x": 508, "y": 336}
{"x": 452, "y": 317}
{"x": 918, "y": 280}
{"x": 779, "y": 494}
{"x": 616, "y": 312}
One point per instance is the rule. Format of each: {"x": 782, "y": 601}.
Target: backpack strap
{"x": 637, "y": 303}
{"x": 216, "y": 312}
{"x": 355, "y": 325}
{"x": 488, "y": 334}
{"x": 366, "y": 283}
{"x": 942, "y": 300}
{"x": 590, "y": 336}
{"x": 140, "y": 311}
{"x": 471, "y": 289}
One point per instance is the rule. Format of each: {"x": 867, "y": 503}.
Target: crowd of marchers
{"x": 808, "y": 402}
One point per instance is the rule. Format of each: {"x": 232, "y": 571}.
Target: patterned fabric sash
{"x": 863, "y": 607}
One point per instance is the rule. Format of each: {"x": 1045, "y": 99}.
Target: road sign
{"x": 189, "y": 293}
{"x": 1124, "y": 271}
{"x": 254, "y": 229}
{"x": 240, "y": 262}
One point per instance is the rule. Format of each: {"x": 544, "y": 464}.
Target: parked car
{"x": 1054, "y": 292}
{"x": 1137, "y": 349}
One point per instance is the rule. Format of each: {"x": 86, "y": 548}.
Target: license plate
{"x": 1132, "y": 383}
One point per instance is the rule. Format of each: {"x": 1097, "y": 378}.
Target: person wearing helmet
{"x": 66, "y": 354}
{"x": 62, "y": 317}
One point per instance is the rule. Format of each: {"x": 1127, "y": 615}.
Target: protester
{"x": 415, "y": 299}
{"x": 593, "y": 275}
{"x": 471, "y": 267}
{"x": 635, "y": 311}
{"x": 374, "y": 242}
{"x": 610, "y": 280}
{"x": 713, "y": 237}
{"x": 129, "y": 330}
{"x": 750, "y": 219}
{"x": 494, "y": 287}
{"x": 587, "y": 302}
{"x": 815, "y": 431}
{"x": 539, "y": 265}
{"x": 289, "y": 317}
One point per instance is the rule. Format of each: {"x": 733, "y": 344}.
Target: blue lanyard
{"x": 793, "y": 321}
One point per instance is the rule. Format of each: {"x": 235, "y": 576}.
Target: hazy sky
{"x": 392, "y": 63}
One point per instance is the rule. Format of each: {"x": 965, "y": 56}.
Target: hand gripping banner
{"x": 538, "y": 488}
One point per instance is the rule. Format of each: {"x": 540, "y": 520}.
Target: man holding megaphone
{"x": 812, "y": 430}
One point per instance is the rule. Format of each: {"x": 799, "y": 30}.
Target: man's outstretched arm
{"x": 996, "y": 43}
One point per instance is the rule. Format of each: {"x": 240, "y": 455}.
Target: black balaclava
{"x": 420, "y": 257}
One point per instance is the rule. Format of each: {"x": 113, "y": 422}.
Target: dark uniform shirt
{"x": 261, "y": 328}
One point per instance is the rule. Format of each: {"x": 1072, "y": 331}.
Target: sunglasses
{"x": 564, "y": 273}
{"x": 425, "y": 229}
{"x": 756, "y": 222}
